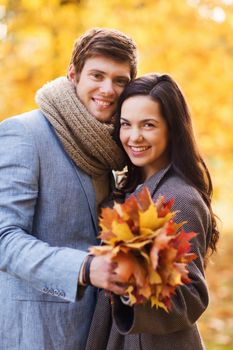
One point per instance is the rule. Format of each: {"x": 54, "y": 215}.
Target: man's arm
{"x": 47, "y": 268}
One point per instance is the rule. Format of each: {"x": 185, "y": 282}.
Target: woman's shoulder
{"x": 173, "y": 185}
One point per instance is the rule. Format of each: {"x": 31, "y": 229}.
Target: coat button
{"x": 56, "y": 292}
{"x": 62, "y": 293}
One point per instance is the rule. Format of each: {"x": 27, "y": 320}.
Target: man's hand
{"x": 103, "y": 275}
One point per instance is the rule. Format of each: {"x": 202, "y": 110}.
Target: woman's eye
{"x": 124, "y": 124}
{"x": 149, "y": 125}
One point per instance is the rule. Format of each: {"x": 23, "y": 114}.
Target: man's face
{"x": 100, "y": 84}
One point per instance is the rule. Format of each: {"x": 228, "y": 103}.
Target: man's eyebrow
{"x": 123, "y": 77}
{"x": 96, "y": 70}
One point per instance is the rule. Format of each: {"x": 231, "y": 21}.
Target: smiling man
{"x": 99, "y": 85}
{"x": 55, "y": 167}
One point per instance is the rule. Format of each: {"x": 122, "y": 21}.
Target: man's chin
{"x": 102, "y": 117}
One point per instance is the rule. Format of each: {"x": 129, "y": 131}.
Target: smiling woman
{"x": 154, "y": 128}
{"x": 144, "y": 134}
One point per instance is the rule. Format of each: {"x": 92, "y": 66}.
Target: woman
{"x": 155, "y": 130}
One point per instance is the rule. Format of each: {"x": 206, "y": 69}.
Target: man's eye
{"x": 122, "y": 82}
{"x": 96, "y": 76}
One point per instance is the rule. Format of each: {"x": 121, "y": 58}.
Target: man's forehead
{"x": 104, "y": 64}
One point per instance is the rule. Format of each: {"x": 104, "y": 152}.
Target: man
{"x": 55, "y": 165}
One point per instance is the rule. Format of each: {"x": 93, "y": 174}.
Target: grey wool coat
{"x": 47, "y": 222}
{"x": 121, "y": 327}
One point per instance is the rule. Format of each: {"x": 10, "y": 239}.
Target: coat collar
{"x": 153, "y": 182}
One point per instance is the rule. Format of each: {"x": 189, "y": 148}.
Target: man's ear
{"x": 71, "y": 75}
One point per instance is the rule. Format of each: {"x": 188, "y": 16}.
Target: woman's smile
{"x": 144, "y": 134}
{"x": 138, "y": 151}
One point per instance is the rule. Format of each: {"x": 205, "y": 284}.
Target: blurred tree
{"x": 36, "y": 48}
{"x": 65, "y": 2}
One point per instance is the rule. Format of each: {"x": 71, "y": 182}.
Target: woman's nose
{"x": 136, "y": 135}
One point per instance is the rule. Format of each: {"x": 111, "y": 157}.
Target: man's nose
{"x": 107, "y": 87}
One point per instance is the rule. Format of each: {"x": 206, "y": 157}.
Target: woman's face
{"x": 144, "y": 134}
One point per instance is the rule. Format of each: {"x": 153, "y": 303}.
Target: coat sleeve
{"x": 51, "y": 270}
{"x": 190, "y": 300}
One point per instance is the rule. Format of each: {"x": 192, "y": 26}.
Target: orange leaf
{"x": 128, "y": 267}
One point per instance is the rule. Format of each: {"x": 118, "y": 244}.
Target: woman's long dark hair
{"x": 183, "y": 150}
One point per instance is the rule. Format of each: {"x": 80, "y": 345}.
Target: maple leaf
{"x": 130, "y": 268}
{"x": 150, "y": 249}
{"x": 158, "y": 244}
{"x": 183, "y": 272}
{"x": 181, "y": 241}
{"x": 128, "y": 210}
{"x": 163, "y": 207}
{"x": 155, "y": 302}
{"x": 100, "y": 250}
{"x": 144, "y": 199}
{"x": 154, "y": 276}
{"x": 148, "y": 215}
{"x": 108, "y": 215}
{"x": 132, "y": 298}
{"x": 121, "y": 231}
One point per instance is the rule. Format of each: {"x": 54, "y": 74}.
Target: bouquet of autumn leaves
{"x": 158, "y": 247}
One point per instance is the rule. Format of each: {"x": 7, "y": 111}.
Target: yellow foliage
{"x": 122, "y": 230}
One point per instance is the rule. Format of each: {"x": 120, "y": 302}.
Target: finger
{"x": 114, "y": 265}
{"x": 118, "y": 290}
{"x": 122, "y": 285}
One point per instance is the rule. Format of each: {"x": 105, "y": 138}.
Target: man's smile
{"x": 102, "y": 103}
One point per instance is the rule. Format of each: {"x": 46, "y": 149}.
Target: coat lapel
{"x": 89, "y": 191}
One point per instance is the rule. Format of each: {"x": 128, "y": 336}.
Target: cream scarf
{"x": 87, "y": 141}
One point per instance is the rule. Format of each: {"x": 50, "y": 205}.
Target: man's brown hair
{"x": 104, "y": 42}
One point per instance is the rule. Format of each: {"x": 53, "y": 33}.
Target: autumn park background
{"x": 190, "y": 39}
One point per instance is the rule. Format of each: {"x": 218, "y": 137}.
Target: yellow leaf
{"x": 154, "y": 277}
{"x": 99, "y": 250}
{"x": 132, "y": 298}
{"x": 175, "y": 279}
{"x": 145, "y": 290}
{"x": 157, "y": 303}
{"x": 145, "y": 255}
{"x": 145, "y": 231}
{"x": 122, "y": 231}
{"x": 137, "y": 245}
{"x": 148, "y": 219}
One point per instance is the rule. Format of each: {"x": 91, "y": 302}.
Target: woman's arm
{"x": 191, "y": 300}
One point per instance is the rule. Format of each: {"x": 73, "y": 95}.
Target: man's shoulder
{"x": 33, "y": 121}
{"x": 33, "y": 116}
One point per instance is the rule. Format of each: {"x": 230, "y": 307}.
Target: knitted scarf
{"x": 87, "y": 141}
